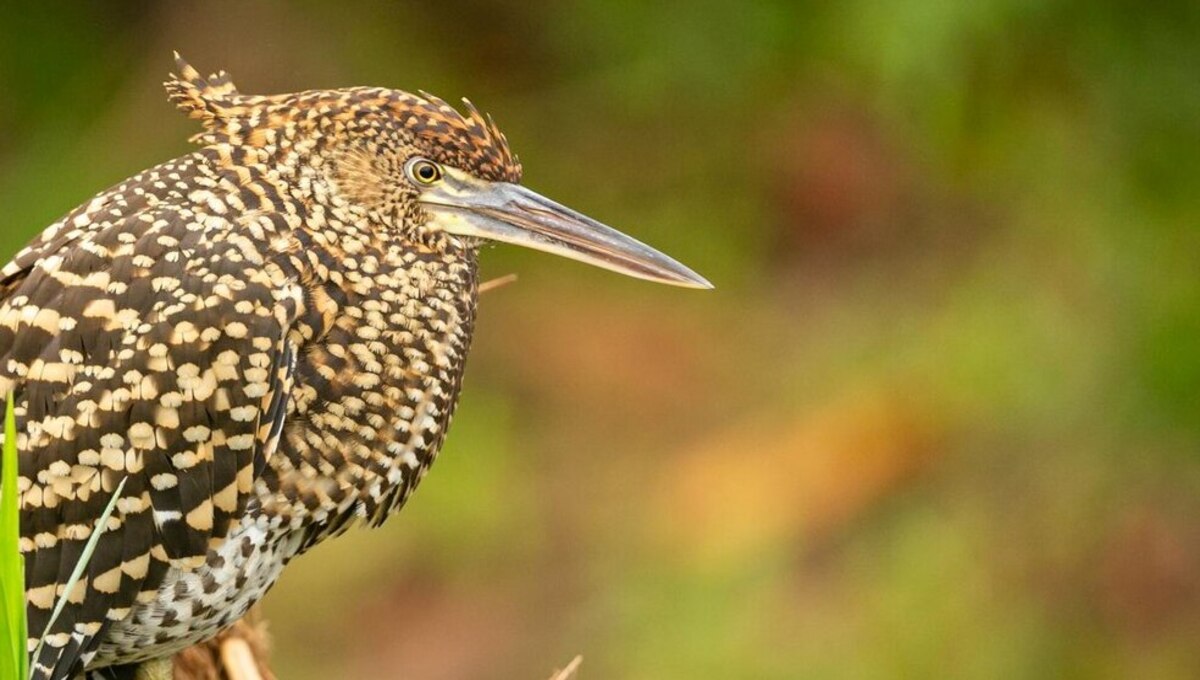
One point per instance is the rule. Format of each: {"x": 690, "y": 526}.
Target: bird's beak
{"x": 499, "y": 211}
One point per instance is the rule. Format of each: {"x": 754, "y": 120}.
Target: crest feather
{"x": 487, "y": 146}
{"x": 208, "y": 100}
{"x": 471, "y": 141}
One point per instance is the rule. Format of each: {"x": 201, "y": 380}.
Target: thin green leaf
{"x": 84, "y": 559}
{"x": 10, "y": 657}
{"x": 14, "y": 661}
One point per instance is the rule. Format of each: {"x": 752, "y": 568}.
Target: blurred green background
{"x": 939, "y": 419}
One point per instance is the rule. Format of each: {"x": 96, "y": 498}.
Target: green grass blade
{"x": 14, "y": 662}
{"x": 10, "y": 658}
{"x": 84, "y": 559}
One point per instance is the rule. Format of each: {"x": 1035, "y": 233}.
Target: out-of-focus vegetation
{"x": 940, "y": 419}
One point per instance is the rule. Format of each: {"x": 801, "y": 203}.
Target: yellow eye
{"x": 424, "y": 171}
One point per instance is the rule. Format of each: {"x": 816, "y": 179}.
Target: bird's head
{"x": 418, "y": 166}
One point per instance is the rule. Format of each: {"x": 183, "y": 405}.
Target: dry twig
{"x": 239, "y": 653}
{"x": 494, "y": 284}
{"x": 569, "y": 672}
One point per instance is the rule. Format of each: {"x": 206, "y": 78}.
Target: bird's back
{"x": 143, "y": 337}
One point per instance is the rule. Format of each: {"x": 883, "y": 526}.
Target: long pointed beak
{"x": 510, "y": 213}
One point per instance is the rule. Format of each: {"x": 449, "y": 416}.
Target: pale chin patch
{"x": 455, "y": 229}
{"x": 452, "y": 221}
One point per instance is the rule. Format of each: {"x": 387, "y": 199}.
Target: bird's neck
{"x": 385, "y": 333}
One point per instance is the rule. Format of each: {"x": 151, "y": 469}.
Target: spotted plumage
{"x": 264, "y": 339}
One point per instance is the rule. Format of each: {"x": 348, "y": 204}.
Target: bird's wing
{"x": 145, "y": 339}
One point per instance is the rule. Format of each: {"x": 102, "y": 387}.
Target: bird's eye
{"x": 423, "y": 171}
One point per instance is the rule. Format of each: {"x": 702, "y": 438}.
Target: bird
{"x": 251, "y": 348}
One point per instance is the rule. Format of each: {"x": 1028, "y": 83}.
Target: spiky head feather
{"x": 471, "y": 142}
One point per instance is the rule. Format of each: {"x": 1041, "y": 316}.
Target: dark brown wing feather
{"x": 144, "y": 338}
